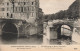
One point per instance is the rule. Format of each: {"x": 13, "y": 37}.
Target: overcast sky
{"x": 53, "y": 6}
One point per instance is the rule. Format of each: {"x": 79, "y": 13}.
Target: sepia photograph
{"x": 39, "y": 22}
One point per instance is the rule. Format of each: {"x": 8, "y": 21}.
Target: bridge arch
{"x": 58, "y": 28}
{"x": 9, "y": 31}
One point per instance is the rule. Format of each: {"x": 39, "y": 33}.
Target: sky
{"x": 54, "y": 6}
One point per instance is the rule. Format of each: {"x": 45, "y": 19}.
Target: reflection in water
{"x": 13, "y": 41}
{"x": 9, "y": 39}
{"x": 8, "y": 36}
{"x": 32, "y": 40}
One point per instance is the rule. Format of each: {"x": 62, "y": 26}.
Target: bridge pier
{"x": 0, "y": 29}
{"x": 47, "y": 33}
{"x": 46, "y": 36}
{"x": 76, "y": 32}
{"x": 1, "y": 26}
{"x": 18, "y": 32}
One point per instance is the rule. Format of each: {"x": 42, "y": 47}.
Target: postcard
{"x": 37, "y": 25}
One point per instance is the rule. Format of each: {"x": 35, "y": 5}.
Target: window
{"x": 11, "y": 16}
{"x": 32, "y": 14}
{"x": 25, "y": 9}
{"x": 24, "y": 3}
{"x": 28, "y": 8}
{"x": 32, "y": 8}
{"x": 16, "y": 8}
{"x": 19, "y": 3}
{"x": 3, "y": 9}
{"x": 7, "y": 3}
{"x": 7, "y": 14}
{"x": 2, "y": 3}
{"x": 7, "y": 9}
{"x": 32, "y": 3}
{"x": 21, "y": 9}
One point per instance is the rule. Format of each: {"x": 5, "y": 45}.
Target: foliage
{"x": 71, "y": 13}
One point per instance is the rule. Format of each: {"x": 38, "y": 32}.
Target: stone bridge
{"x": 52, "y": 29}
{"x": 15, "y": 27}
{"x": 10, "y": 27}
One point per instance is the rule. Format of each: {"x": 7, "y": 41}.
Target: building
{"x": 19, "y": 9}
{"x": 26, "y": 10}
